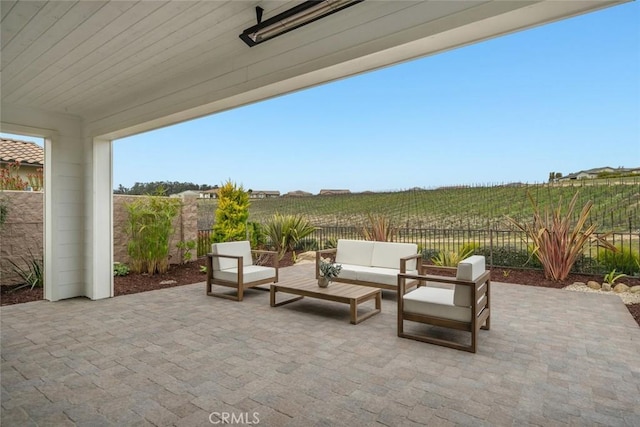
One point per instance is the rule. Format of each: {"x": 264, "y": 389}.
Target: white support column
{"x": 99, "y": 241}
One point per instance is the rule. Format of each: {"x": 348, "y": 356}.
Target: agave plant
{"x": 285, "y": 231}
{"x": 557, "y": 243}
{"x": 451, "y": 258}
{"x": 380, "y": 229}
{"x": 30, "y": 271}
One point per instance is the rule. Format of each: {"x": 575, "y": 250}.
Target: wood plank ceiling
{"x": 94, "y": 59}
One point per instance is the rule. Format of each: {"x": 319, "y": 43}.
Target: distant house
{"x": 260, "y": 194}
{"x": 186, "y": 193}
{"x": 209, "y": 194}
{"x": 29, "y": 154}
{"x": 333, "y": 192}
{"x": 595, "y": 172}
{"x": 298, "y": 193}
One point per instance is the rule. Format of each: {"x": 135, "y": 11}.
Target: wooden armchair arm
{"x": 332, "y": 251}
{"x": 273, "y": 254}
{"x": 210, "y": 257}
{"x": 403, "y": 263}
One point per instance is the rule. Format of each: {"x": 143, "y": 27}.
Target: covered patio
{"x": 177, "y": 357}
{"x": 82, "y": 74}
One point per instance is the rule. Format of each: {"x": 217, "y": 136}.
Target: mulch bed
{"x": 189, "y": 273}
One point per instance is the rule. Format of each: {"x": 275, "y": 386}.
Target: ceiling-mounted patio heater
{"x": 296, "y": 17}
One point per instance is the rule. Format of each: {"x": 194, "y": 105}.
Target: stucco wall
{"x": 23, "y": 230}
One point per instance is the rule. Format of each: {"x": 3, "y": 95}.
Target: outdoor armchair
{"x": 460, "y": 303}
{"x": 231, "y": 264}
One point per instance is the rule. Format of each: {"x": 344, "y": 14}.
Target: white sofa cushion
{"x": 242, "y": 249}
{"x": 386, "y": 276}
{"x": 469, "y": 269}
{"x": 251, "y": 273}
{"x": 388, "y": 254}
{"x": 354, "y": 252}
{"x": 350, "y": 271}
{"x": 436, "y": 302}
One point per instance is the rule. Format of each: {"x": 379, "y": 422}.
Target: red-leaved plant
{"x": 558, "y": 243}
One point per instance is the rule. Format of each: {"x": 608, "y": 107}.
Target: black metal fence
{"x": 503, "y": 248}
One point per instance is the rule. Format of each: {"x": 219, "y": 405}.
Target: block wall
{"x": 23, "y": 231}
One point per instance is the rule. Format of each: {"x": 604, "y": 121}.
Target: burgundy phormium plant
{"x": 380, "y": 229}
{"x": 556, "y": 242}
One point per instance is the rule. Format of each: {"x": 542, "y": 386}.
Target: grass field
{"x": 616, "y": 205}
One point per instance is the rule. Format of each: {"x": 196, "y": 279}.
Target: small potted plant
{"x": 328, "y": 271}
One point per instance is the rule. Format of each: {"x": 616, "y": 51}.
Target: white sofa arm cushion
{"x": 469, "y": 269}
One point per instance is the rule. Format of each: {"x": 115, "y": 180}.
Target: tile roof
{"x": 12, "y": 150}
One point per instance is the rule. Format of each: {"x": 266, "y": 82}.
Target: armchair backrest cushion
{"x": 242, "y": 249}
{"x": 469, "y": 269}
{"x": 388, "y": 254}
{"x": 354, "y": 252}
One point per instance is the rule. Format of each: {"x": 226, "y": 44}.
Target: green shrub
{"x": 232, "y": 214}
{"x": 469, "y": 248}
{"x": 509, "y": 256}
{"x": 331, "y": 243}
{"x": 149, "y": 230}
{"x": 186, "y": 248}
{"x": 308, "y": 244}
{"x": 428, "y": 253}
{"x": 285, "y": 231}
{"x": 451, "y": 258}
{"x": 613, "y": 276}
{"x": 256, "y": 234}
{"x": 120, "y": 269}
{"x": 625, "y": 260}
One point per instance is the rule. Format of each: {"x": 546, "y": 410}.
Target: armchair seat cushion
{"x": 435, "y": 302}
{"x": 251, "y": 273}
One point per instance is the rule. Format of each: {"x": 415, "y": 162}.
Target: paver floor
{"x": 176, "y": 357}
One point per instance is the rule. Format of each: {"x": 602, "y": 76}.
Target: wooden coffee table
{"x": 339, "y": 292}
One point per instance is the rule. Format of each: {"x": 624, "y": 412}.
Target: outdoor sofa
{"x": 371, "y": 263}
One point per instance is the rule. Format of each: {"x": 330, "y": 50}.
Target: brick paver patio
{"x": 177, "y": 357}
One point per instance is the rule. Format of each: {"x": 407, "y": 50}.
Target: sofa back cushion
{"x": 356, "y": 252}
{"x": 388, "y": 254}
{"x": 242, "y": 249}
{"x": 469, "y": 269}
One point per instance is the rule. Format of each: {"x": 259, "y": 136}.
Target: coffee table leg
{"x": 272, "y": 297}
{"x": 354, "y": 309}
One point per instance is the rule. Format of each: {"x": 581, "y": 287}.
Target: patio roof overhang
{"x": 84, "y": 73}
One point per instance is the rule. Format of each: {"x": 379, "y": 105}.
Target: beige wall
{"x": 23, "y": 230}
{"x": 184, "y": 226}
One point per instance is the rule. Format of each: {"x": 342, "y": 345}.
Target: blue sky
{"x": 562, "y": 97}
